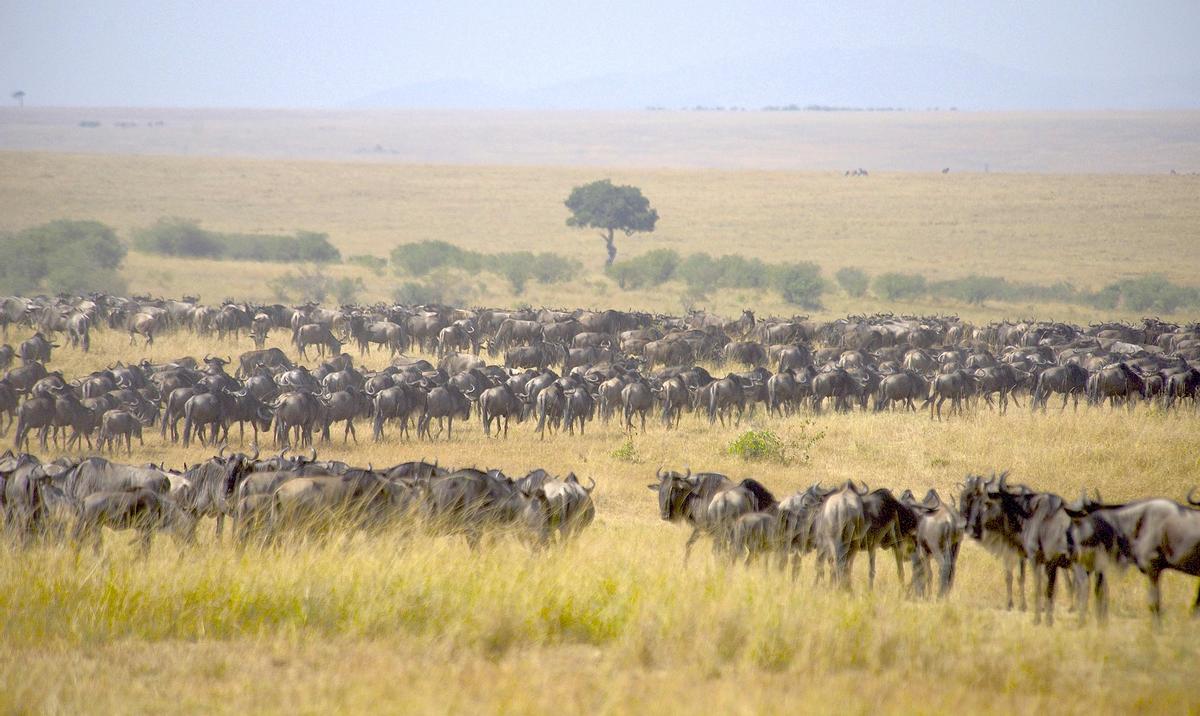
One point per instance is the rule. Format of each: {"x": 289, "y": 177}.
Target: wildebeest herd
{"x": 560, "y": 369}
{"x": 268, "y": 498}
{"x": 1087, "y": 539}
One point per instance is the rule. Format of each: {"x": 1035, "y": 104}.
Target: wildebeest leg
{"x": 899, "y": 567}
{"x": 1154, "y": 574}
{"x": 1008, "y": 579}
{"x": 1021, "y": 582}
{"x": 1037, "y": 595}
{"x": 1051, "y": 580}
{"x": 871, "y": 568}
{"x": 691, "y": 540}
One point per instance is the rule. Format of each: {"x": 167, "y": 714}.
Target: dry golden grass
{"x": 613, "y": 623}
{"x": 1089, "y": 230}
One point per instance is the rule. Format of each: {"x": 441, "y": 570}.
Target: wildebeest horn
{"x": 314, "y": 455}
{"x": 658, "y": 474}
{"x": 284, "y": 451}
{"x": 221, "y": 452}
{"x": 1195, "y": 503}
{"x": 592, "y": 487}
{"x": 254, "y": 457}
{"x": 207, "y": 356}
{"x": 865, "y": 489}
{"x": 1004, "y": 482}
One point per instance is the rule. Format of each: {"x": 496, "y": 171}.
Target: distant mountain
{"x": 912, "y": 78}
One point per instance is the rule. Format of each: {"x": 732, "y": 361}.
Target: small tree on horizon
{"x": 19, "y": 96}
{"x": 601, "y": 205}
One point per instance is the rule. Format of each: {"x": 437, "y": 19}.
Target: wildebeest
{"x": 320, "y": 336}
{"x": 135, "y": 508}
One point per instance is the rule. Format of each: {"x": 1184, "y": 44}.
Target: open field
{"x": 1028, "y": 142}
{"x": 613, "y": 623}
{"x": 1086, "y": 229}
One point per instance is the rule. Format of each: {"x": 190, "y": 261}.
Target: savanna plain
{"x": 616, "y": 621}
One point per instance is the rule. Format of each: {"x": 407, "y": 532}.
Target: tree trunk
{"x": 612, "y": 248}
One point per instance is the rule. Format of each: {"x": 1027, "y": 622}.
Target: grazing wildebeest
{"x": 320, "y": 336}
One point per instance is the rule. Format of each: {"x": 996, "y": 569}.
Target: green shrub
{"x": 418, "y": 259}
{"x": 759, "y": 446}
{"x": 649, "y": 269}
{"x": 974, "y": 289}
{"x": 800, "y": 283}
{"x": 1155, "y": 293}
{"x": 183, "y": 237}
{"x": 61, "y": 256}
{"x": 374, "y": 264}
{"x": 854, "y": 281}
{"x": 178, "y": 237}
{"x": 893, "y": 286}
{"x": 626, "y": 452}
{"x": 767, "y": 446}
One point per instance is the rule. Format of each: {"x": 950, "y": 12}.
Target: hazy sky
{"x": 303, "y": 53}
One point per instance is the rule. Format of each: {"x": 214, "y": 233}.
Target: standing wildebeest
{"x": 498, "y": 403}
{"x": 445, "y": 403}
{"x": 117, "y": 423}
{"x": 1003, "y": 379}
{"x": 1070, "y": 380}
{"x": 722, "y": 396}
{"x": 579, "y": 407}
{"x": 890, "y": 524}
{"x": 1113, "y": 382}
{"x": 837, "y": 384}
{"x": 694, "y": 499}
{"x": 345, "y": 406}
{"x": 567, "y": 503}
{"x": 36, "y": 349}
{"x": 838, "y": 529}
{"x": 135, "y": 508}
{"x": 996, "y": 528}
{"x": 636, "y": 397}
{"x": 143, "y": 324}
{"x": 956, "y": 386}
{"x": 384, "y": 333}
{"x": 320, "y": 336}
{"x": 749, "y": 353}
{"x": 297, "y": 411}
{"x": 260, "y": 328}
{"x": 79, "y": 331}
{"x": 903, "y": 388}
{"x": 938, "y": 537}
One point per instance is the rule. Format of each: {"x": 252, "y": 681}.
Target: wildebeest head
{"x": 673, "y": 491}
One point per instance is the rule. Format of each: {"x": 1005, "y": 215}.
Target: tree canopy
{"x": 610, "y": 208}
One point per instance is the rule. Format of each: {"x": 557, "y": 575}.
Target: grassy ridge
{"x": 1090, "y": 230}
{"x": 613, "y": 623}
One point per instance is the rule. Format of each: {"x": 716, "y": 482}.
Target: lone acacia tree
{"x": 19, "y": 96}
{"x": 600, "y": 205}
